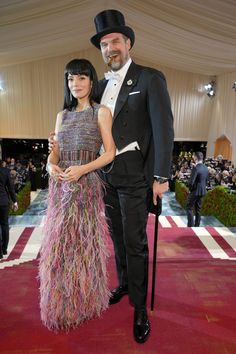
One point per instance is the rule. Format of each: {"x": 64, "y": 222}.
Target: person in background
{"x": 197, "y": 189}
{"x": 12, "y": 164}
{"x": 143, "y": 133}
{"x": 234, "y": 180}
{"x": 6, "y": 190}
{"x": 44, "y": 175}
{"x": 32, "y": 175}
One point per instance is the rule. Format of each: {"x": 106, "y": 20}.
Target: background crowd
{"x": 221, "y": 171}
{"x": 22, "y": 171}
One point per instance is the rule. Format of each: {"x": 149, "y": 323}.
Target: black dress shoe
{"x": 141, "y": 326}
{"x": 117, "y": 294}
{"x": 4, "y": 252}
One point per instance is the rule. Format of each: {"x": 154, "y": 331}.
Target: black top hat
{"x": 111, "y": 21}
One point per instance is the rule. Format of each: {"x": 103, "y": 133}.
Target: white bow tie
{"x": 112, "y": 75}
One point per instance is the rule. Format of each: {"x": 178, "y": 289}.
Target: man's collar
{"x": 119, "y": 73}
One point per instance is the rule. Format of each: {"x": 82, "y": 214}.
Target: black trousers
{"x": 126, "y": 206}
{"x": 4, "y": 228}
{"x": 194, "y": 203}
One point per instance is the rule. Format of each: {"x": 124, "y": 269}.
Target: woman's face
{"x": 79, "y": 86}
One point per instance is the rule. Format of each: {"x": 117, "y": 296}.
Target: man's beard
{"x": 113, "y": 64}
{"x": 116, "y": 65}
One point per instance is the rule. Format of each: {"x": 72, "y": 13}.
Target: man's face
{"x": 115, "y": 50}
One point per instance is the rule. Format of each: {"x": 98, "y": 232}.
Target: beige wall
{"x": 223, "y": 119}
{"x": 192, "y": 108}
{"x": 34, "y": 94}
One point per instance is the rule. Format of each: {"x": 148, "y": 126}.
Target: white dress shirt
{"x": 113, "y": 87}
{"x": 111, "y": 93}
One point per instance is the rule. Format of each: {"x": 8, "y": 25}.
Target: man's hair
{"x": 199, "y": 155}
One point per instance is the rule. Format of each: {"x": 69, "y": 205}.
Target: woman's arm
{"x": 54, "y": 156}
{"x": 73, "y": 173}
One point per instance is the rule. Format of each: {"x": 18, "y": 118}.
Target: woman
{"x": 73, "y": 255}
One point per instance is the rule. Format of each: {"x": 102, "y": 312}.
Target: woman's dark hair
{"x": 79, "y": 67}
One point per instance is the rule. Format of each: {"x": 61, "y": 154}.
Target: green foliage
{"x": 181, "y": 193}
{"x": 23, "y": 199}
{"x": 217, "y": 202}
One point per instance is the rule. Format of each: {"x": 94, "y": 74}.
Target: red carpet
{"x": 194, "y": 305}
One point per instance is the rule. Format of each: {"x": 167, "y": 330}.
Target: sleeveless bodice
{"x": 73, "y": 255}
{"x": 79, "y": 137}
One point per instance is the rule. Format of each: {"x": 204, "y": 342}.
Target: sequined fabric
{"x": 72, "y": 269}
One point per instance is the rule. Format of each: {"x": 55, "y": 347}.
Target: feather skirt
{"x": 73, "y": 256}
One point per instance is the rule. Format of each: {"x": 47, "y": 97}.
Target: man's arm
{"x": 161, "y": 117}
{"x": 160, "y": 113}
{"x": 192, "y": 178}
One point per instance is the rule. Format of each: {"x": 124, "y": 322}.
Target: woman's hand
{"x": 72, "y": 173}
{"x": 54, "y": 171}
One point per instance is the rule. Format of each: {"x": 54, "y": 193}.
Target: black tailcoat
{"x": 143, "y": 114}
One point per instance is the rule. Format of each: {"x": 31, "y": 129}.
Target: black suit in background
{"x": 6, "y": 190}
{"x": 143, "y": 114}
{"x": 197, "y": 187}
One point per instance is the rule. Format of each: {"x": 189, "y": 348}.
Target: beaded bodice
{"x": 79, "y": 137}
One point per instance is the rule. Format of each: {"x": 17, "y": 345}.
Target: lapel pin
{"x": 129, "y": 82}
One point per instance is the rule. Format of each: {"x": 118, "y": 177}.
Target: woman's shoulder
{"x": 62, "y": 113}
{"x": 103, "y": 109}
{"x": 60, "y": 118}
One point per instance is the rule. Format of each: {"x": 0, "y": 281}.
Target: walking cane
{"x": 157, "y": 213}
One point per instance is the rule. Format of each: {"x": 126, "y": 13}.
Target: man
{"x": 6, "y": 190}
{"x": 197, "y": 187}
{"x": 143, "y": 134}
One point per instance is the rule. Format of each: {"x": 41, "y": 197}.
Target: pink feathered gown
{"x": 72, "y": 269}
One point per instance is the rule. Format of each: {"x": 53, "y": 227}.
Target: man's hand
{"x": 52, "y": 143}
{"x": 158, "y": 190}
{"x": 15, "y": 206}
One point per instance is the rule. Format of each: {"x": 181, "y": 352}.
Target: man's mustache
{"x": 110, "y": 57}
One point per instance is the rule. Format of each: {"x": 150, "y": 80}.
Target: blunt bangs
{"x": 78, "y": 67}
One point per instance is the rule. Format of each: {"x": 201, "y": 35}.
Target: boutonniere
{"x": 131, "y": 82}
